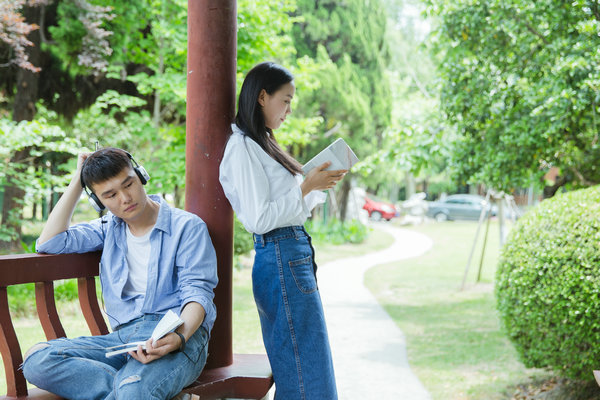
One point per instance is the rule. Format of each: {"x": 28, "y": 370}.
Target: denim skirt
{"x": 291, "y": 315}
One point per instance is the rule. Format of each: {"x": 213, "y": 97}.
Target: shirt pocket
{"x": 304, "y": 274}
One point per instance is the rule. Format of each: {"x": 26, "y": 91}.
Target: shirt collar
{"x": 236, "y": 130}
{"x": 163, "y": 221}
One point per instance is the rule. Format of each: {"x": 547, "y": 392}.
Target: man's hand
{"x": 193, "y": 314}
{"x": 163, "y": 346}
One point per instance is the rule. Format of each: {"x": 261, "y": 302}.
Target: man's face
{"x": 123, "y": 194}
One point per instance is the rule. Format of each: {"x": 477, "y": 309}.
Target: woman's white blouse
{"x": 263, "y": 194}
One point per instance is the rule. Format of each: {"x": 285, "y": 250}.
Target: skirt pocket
{"x": 304, "y": 274}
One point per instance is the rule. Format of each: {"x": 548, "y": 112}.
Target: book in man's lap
{"x": 168, "y": 323}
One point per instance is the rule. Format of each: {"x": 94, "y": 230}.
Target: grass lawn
{"x": 455, "y": 344}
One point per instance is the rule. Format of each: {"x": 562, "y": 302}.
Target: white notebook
{"x": 338, "y": 152}
{"x": 168, "y": 323}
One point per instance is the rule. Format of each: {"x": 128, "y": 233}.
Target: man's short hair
{"x": 104, "y": 164}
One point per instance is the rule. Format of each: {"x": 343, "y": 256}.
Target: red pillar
{"x": 212, "y": 40}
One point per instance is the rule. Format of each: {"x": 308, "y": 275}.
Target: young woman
{"x": 265, "y": 188}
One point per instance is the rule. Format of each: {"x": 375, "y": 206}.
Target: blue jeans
{"x": 78, "y": 368}
{"x": 291, "y": 315}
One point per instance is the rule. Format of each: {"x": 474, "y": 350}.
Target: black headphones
{"x": 94, "y": 200}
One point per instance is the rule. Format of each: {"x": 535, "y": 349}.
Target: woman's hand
{"x": 163, "y": 346}
{"x": 319, "y": 179}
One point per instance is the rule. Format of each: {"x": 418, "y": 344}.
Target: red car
{"x": 379, "y": 210}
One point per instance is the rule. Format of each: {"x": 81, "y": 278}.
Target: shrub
{"x": 336, "y": 232}
{"x": 21, "y": 298}
{"x": 548, "y": 284}
{"x": 242, "y": 239}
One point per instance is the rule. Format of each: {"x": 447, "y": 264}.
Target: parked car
{"x": 459, "y": 206}
{"x": 379, "y": 210}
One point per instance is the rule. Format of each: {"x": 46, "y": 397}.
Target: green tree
{"x": 114, "y": 72}
{"x": 414, "y": 145}
{"x": 36, "y": 173}
{"x": 520, "y": 84}
{"x": 39, "y": 73}
{"x": 347, "y": 40}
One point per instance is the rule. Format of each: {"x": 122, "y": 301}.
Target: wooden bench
{"x": 248, "y": 377}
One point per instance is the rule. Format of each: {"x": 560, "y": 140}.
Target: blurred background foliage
{"x": 114, "y": 72}
{"x": 435, "y": 95}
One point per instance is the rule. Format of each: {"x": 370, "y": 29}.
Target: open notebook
{"x": 338, "y": 152}
{"x": 168, "y": 323}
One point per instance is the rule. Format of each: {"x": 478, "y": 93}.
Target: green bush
{"x": 548, "y": 284}
{"x": 242, "y": 239}
{"x": 336, "y": 232}
{"x": 21, "y": 298}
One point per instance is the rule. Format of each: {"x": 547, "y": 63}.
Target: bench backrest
{"x": 43, "y": 270}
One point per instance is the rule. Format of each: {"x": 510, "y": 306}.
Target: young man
{"x": 155, "y": 258}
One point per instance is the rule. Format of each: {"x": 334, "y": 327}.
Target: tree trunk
{"x": 550, "y": 191}
{"x": 343, "y": 202}
{"x": 12, "y": 213}
{"x": 23, "y": 110}
{"x": 177, "y": 196}
{"x": 27, "y": 81}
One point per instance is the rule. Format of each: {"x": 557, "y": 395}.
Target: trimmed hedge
{"x": 548, "y": 285}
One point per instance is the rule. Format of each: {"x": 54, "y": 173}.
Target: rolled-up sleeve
{"x": 314, "y": 198}
{"x": 80, "y": 238}
{"x": 197, "y": 271}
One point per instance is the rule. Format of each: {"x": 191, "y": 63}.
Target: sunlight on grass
{"x": 455, "y": 344}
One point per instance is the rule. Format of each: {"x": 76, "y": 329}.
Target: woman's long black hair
{"x": 250, "y": 119}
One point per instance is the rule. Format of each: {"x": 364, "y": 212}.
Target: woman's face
{"x": 277, "y": 106}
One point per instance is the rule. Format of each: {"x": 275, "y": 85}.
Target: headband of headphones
{"x": 94, "y": 200}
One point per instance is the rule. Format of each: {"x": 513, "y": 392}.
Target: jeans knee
{"x": 31, "y": 368}
{"x": 130, "y": 388}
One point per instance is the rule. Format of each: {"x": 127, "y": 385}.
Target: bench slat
{"x": 46, "y": 309}
{"x": 86, "y": 289}
{"x": 11, "y": 351}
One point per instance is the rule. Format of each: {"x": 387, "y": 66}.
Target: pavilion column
{"x": 211, "y": 78}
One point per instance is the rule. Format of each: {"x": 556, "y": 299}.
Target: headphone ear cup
{"x": 95, "y": 202}
{"x": 142, "y": 174}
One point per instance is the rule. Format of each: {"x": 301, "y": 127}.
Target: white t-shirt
{"x": 138, "y": 255}
{"x": 263, "y": 194}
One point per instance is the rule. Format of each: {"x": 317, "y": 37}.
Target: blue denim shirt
{"x": 182, "y": 266}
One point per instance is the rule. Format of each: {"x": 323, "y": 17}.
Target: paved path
{"x": 369, "y": 350}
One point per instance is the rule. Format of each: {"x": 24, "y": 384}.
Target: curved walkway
{"x": 369, "y": 350}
